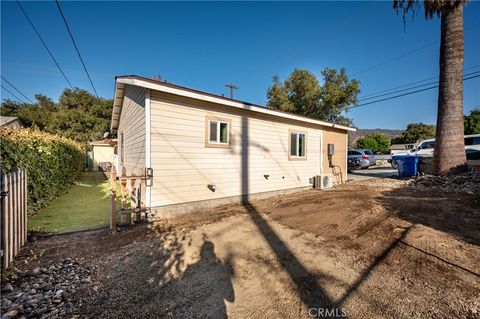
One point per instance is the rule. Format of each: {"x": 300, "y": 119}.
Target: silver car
{"x": 365, "y": 157}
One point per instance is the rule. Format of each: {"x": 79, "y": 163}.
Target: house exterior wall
{"x": 339, "y": 139}
{"x": 132, "y": 129}
{"x": 184, "y": 167}
{"x": 102, "y": 153}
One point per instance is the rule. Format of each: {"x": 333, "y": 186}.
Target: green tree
{"x": 78, "y": 114}
{"x": 472, "y": 122}
{"x": 302, "y": 93}
{"x": 449, "y": 142}
{"x": 415, "y": 132}
{"x": 377, "y": 143}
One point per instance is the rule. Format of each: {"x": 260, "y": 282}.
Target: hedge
{"x": 53, "y": 163}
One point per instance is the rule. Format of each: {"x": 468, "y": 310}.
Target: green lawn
{"x": 85, "y": 205}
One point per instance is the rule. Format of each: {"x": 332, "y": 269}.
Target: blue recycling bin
{"x": 407, "y": 165}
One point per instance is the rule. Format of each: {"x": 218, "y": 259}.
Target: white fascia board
{"x": 239, "y": 105}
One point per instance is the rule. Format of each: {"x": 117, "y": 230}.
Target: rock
{"x": 59, "y": 293}
{"x": 42, "y": 310}
{"x": 36, "y": 271}
{"x": 25, "y": 286}
{"x": 7, "y": 288}
{"x": 10, "y": 314}
{"x": 33, "y": 302}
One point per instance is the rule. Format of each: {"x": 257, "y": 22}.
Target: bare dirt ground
{"x": 368, "y": 249}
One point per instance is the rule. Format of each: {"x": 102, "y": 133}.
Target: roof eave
{"x": 172, "y": 89}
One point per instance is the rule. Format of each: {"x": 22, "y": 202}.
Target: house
{"x": 10, "y": 122}
{"x": 101, "y": 157}
{"x": 200, "y": 150}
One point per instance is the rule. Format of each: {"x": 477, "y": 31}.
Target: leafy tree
{"x": 449, "y": 142}
{"x": 78, "y": 114}
{"x": 302, "y": 93}
{"x": 377, "y": 143}
{"x": 472, "y": 122}
{"x": 415, "y": 132}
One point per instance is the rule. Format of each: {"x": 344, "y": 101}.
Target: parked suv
{"x": 365, "y": 157}
{"x": 425, "y": 148}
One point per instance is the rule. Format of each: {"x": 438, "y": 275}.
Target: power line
{"x": 407, "y": 53}
{"x": 404, "y": 94}
{"x": 44, "y": 44}
{"x": 411, "y": 88}
{"x": 395, "y": 58}
{"x": 13, "y": 86}
{"x": 409, "y": 84}
{"x": 76, "y": 47}
{"x": 13, "y": 94}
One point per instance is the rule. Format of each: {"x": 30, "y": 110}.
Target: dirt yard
{"x": 371, "y": 249}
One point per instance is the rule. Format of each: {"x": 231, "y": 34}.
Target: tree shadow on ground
{"x": 457, "y": 214}
{"x": 306, "y": 283}
{"x": 153, "y": 279}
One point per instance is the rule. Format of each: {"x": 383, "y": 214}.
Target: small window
{"x": 427, "y": 145}
{"x": 218, "y": 132}
{"x": 298, "y": 145}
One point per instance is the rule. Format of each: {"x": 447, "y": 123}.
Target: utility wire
{"x": 409, "y": 93}
{"x": 407, "y": 53}
{"x": 395, "y": 58}
{"x": 44, "y": 44}
{"x": 13, "y": 86}
{"x": 409, "y": 84}
{"x": 76, "y": 47}
{"x": 13, "y": 94}
{"x": 411, "y": 88}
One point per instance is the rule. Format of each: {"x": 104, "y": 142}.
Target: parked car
{"x": 366, "y": 160}
{"x": 371, "y": 156}
{"x": 353, "y": 163}
{"x": 425, "y": 148}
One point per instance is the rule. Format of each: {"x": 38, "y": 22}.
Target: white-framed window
{"x": 298, "y": 145}
{"x": 218, "y": 132}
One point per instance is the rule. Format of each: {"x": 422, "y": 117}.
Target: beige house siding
{"x": 132, "y": 128}
{"x": 339, "y": 139}
{"x": 102, "y": 153}
{"x": 184, "y": 166}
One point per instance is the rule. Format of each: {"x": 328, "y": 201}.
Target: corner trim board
{"x": 148, "y": 145}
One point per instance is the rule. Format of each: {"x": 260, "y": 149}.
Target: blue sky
{"x": 205, "y": 45}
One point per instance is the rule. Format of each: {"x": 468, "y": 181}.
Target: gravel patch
{"x": 45, "y": 292}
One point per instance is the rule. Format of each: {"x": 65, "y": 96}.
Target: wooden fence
{"x": 136, "y": 194}
{"x": 13, "y": 211}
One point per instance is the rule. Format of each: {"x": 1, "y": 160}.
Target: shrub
{"x": 377, "y": 143}
{"x": 53, "y": 163}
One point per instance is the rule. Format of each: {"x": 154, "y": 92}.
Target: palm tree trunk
{"x": 449, "y": 141}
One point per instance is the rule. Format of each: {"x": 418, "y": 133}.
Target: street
{"x": 372, "y": 172}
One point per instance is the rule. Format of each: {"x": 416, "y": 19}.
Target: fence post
{"x": 133, "y": 197}
{"x": 143, "y": 192}
{"x": 113, "y": 199}
{"x": 123, "y": 188}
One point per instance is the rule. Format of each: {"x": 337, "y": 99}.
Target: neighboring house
{"x": 206, "y": 149}
{"x": 101, "y": 156}
{"x": 10, "y": 121}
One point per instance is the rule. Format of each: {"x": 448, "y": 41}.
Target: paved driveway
{"x": 372, "y": 172}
